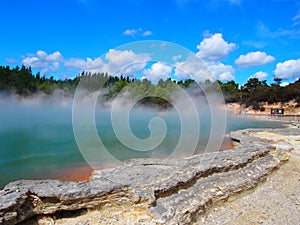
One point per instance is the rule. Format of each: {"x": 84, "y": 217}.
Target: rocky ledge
{"x": 147, "y": 191}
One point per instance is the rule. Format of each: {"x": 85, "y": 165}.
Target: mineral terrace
{"x": 152, "y": 191}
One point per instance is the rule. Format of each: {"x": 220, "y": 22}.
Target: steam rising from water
{"x": 40, "y": 109}
{"x": 200, "y": 123}
{"x": 37, "y": 140}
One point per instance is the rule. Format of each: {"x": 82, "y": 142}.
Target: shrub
{"x": 262, "y": 109}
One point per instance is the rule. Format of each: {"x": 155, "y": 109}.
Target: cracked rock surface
{"x": 147, "y": 191}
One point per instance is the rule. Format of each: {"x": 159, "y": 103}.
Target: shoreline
{"x": 80, "y": 171}
{"x": 143, "y": 189}
{"x": 84, "y": 173}
{"x": 291, "y": 111}
{"x": 290, "y": 108}
{"x": 269, "y": 117}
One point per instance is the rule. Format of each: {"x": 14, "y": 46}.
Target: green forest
{"x": 22, "y": 82}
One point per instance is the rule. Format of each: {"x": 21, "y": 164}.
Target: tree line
{"x": 254, "y": 92}
{"x": 21, "y": 81}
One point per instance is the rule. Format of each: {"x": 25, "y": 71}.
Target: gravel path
{"x": 276, "y": 201}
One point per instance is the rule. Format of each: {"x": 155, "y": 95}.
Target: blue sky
{"x": 236, "y": 39}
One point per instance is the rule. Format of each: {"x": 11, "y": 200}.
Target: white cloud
{"x": 221, "y": 71}
{"x": 158, "y": 70}
{"x": 64, "y": 76}
{"x": 137, "y": 32}
{"x": 265, "y": 32}
{"x": 131, "y": 32}
{"x": 192, "y": 67}
{"x": 283, "y": 84}
{"x": 296, "y": 19}
{"x": 116, "y": 62}
{"x": 297, "y": 16}
{"x": 289, "y": 69}
{"x": 206, "y": 63}
{"x": 11, "y": 60}
{"x": 129, "y": 69}
{"x": 147, "y": 33}
{"x": 76, "y": 63}
{"x": 176, "y": 57}
{"x": 260, "y": 75}
{"x": 88, "y": 64}
{"x": 214, "y": 48}
{"x": 56, "y": 56}
{"x": 195, "y": 68}
{"x": 254, "y": 59}
{"x": 44, "y": 61}
{"x": 207, "y": 34}
{"x": 120, "y": 59}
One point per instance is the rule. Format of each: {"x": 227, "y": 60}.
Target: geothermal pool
{"x": 37, "y": 140}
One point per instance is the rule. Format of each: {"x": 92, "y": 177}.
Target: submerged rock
{"x": 176, "y": 191}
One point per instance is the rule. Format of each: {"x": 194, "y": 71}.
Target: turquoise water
{"x": 37, "y": 141}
